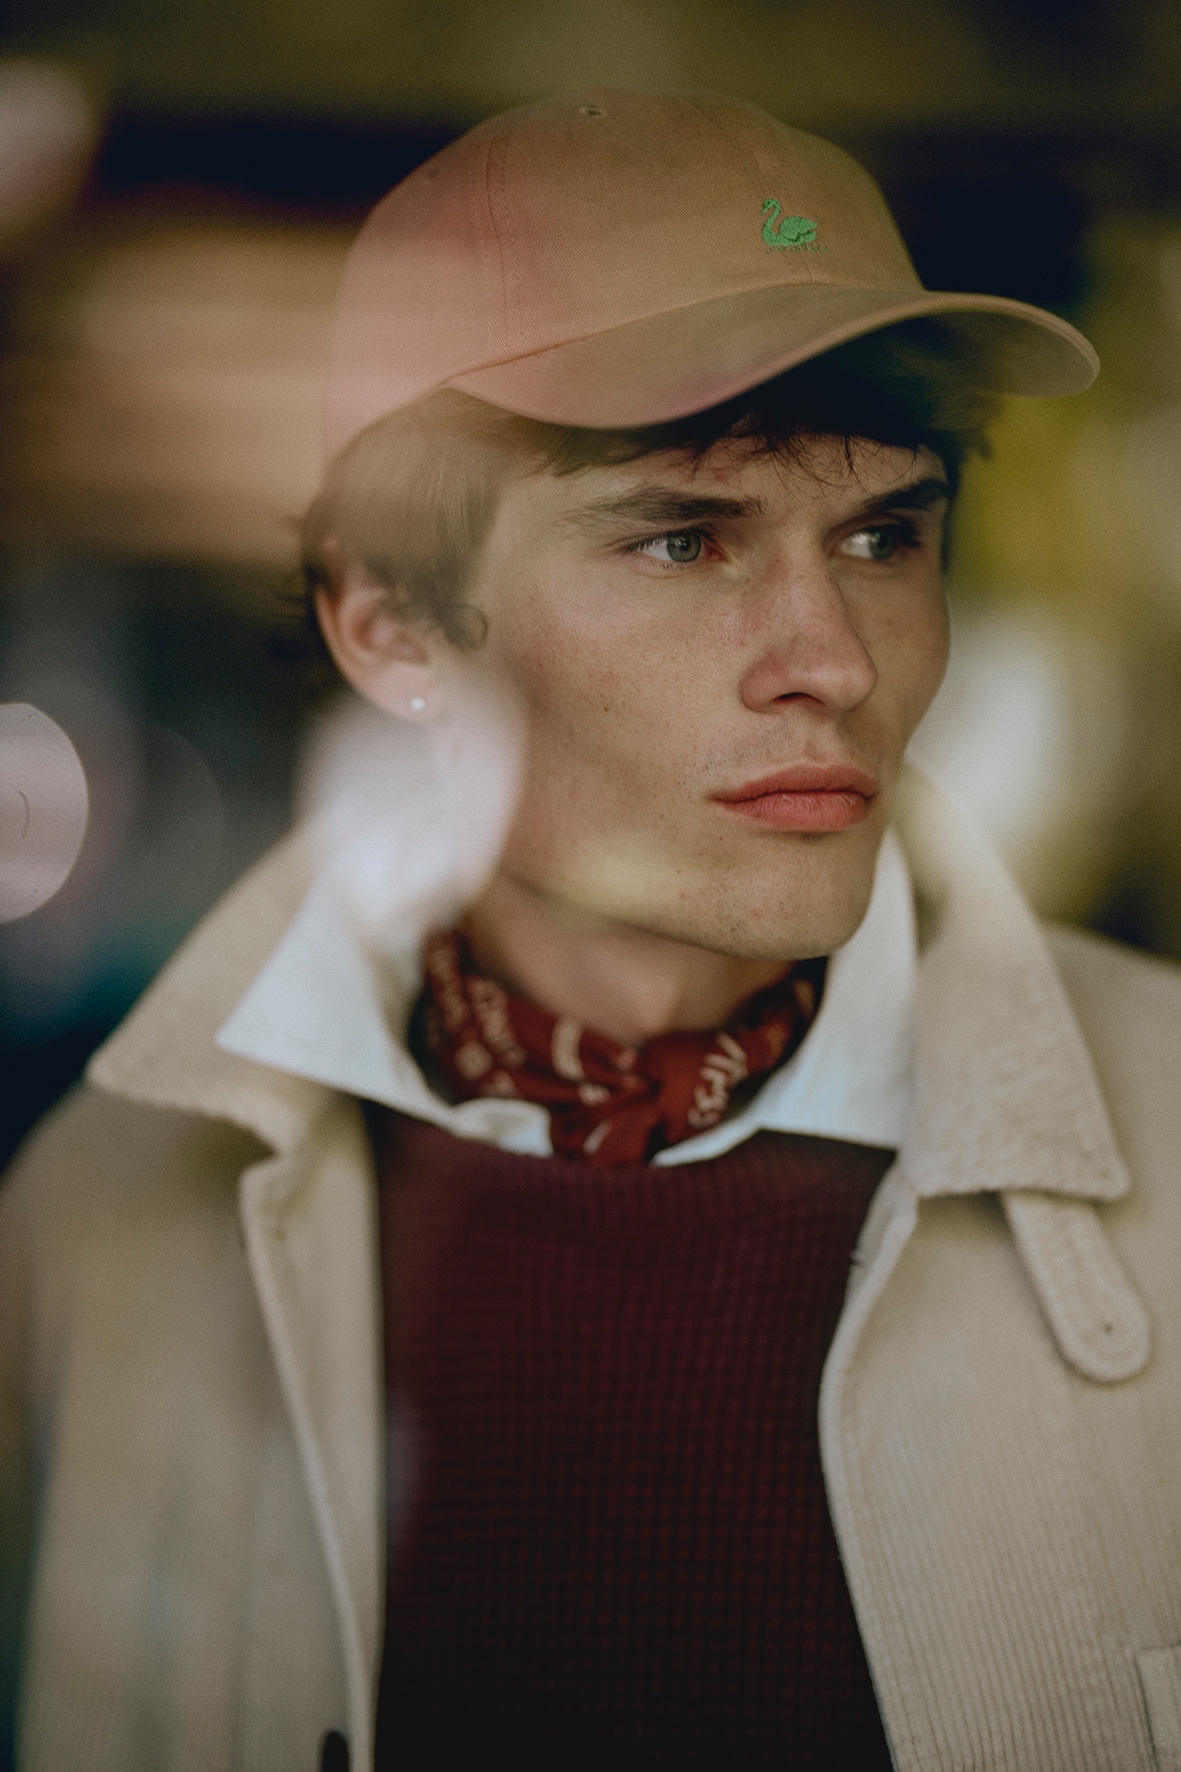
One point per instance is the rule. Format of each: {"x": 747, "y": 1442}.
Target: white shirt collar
{"x": 322, "y": 1007}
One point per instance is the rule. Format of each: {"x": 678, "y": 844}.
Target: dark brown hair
{"x": 413, "y": 497}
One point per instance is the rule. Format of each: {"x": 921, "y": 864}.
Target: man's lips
{"x": 808, "y": 797}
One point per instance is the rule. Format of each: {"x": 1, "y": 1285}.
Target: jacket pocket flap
{"x": 1160, "y": 1677}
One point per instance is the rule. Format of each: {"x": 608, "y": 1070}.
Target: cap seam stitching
{"x": 749, "y": 149}
{"x": 491, "y": 211}
{"x": 747, "y": 145}
{"x": 514, "y": 253}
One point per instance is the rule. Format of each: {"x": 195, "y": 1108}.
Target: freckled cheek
{"x": 602, "y": 757}
{"x": 599, "y": 693}
{"x": 608, "y": 695}
{"x": 910, "y": 649}
{"x": 931, "y": 660}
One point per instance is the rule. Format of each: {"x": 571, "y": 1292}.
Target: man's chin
{"x": 804, "y": 900}
{"x": 726, "y": 923}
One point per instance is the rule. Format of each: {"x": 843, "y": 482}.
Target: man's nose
{"x": 811, "y": 647}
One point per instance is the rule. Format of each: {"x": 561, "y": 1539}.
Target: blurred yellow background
{"x": 178, "y": 185}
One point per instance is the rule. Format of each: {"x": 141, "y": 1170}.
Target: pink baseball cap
{"x": 618, "y": 258}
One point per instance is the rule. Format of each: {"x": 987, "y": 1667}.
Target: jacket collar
{"x": 994, "y": 1027}
{"x": 993, "y": 1023}
{"x": 165, "y": 1053}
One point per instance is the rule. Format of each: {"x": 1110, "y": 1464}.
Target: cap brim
{"x": 669, "y": 365}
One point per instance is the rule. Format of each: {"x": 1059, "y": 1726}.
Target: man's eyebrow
{"x": 662, "y": 508}
{"x": 919, "y": 495}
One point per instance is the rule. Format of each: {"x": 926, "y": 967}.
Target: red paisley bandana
{"x": 607, "y": 1103}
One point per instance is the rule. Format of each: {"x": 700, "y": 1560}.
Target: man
{"x": 432, "y": 1332}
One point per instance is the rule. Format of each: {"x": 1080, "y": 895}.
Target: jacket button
{"x": 334, "y": 1752}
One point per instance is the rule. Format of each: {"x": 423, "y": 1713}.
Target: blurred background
{"x": 178, "y": 184}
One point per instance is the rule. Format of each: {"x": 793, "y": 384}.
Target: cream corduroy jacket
{"x": 190, "y": 1370}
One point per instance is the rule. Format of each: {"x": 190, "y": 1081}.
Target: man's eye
{"x": 680, "y": 547}
{"x": 881, "y": 542}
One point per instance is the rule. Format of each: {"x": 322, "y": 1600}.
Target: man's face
{"x": 721, "y": 664}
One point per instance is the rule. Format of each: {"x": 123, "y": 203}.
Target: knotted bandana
{"x": 608, "y": 1103}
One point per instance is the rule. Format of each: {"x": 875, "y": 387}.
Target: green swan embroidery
{"x": 793, "y": 232}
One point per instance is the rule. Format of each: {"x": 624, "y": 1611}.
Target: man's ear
{"x": 392, "y": 662}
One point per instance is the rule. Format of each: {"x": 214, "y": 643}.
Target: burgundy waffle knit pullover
{"x": 610, "y": 1543}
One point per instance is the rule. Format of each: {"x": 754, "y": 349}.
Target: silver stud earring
{"x": 418, "y": 704}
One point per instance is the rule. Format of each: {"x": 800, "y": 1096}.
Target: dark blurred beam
{"x": 294, "y": 162}
{"x": 1008, "y": 212}
{"x": 1098, "y": 34}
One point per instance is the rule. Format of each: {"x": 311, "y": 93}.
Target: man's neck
{"x": 623, "y": 982}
